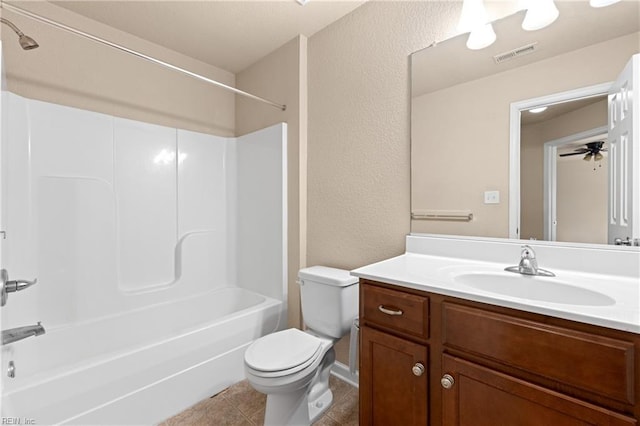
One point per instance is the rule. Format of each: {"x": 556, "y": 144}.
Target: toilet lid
{"x": 282, "y": 350}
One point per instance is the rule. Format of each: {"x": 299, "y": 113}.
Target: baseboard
{"x": 342, "y": 372}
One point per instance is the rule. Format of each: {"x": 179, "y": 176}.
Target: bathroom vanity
{"x": 437, "y": 348}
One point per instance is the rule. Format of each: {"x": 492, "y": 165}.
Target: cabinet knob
{"x": 447, "y": 381}
{"x": 418, "y": 369}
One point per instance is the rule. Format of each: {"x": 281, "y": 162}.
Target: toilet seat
{"x": 283, "y": 353}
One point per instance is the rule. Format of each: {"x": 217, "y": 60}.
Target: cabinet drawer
{"x": 396, "y": 310}
{"x": 597, "y": 364}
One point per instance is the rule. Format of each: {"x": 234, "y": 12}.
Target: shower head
{"x": 26, "y": 42}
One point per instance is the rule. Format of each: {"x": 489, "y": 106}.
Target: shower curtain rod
{"x": 48, "y": 21}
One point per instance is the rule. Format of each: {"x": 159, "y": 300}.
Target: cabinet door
{"x": 393, "y": 387}
{"x": 484, "y": 397}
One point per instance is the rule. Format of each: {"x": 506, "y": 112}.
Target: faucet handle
{"x": 11, "y": 286}
{"x": 527, "y": 252}
{"x": 18, "y": 285}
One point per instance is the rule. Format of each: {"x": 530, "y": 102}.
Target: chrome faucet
{"x": 529, "y": 264}
{"x": 19, "y": 333}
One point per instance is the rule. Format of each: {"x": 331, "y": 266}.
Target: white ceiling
{"x": 227, "y": 34}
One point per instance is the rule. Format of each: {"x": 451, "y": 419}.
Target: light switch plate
{"x": 492, "y": 197}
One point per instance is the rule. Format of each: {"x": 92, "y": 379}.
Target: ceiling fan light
{"x": 540, "y": 13}
{"x": 588, "y": 157}
{"x": 602, "y": 3}
{"x": 598, "y": 157}
{"x": 481, "y": 37}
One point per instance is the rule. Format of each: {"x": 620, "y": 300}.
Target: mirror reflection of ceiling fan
{"x": 591, "y": 150}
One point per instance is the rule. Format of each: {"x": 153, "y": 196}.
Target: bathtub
{"x": 136, "y": 368}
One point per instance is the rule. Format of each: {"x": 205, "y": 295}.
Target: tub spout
{"x": 19, "y": 333}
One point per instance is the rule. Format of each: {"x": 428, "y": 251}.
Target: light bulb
{"x": 473, "y": 16}
{"x": 602, "y": 3}
{"x": 481, "y": 37}
{"x": 540, "y": 13}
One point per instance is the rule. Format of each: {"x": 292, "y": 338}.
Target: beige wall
{"x": 454, "y": 165}
{"x": 581, "y": 191}
{"x": 282, "y": 77}
{"x": 531, "y": 181}
{"x": 77, "y": 72}
{"x": 358, "y": 172}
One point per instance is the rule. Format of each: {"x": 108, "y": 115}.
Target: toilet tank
{"x": 329, "y": 299}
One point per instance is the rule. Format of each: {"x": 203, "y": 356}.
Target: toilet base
{"x": 320, "y": 396}
{"x": 320, "y": 405}
{"x": 287, "y": 409}
{"x": 303, "y": 406}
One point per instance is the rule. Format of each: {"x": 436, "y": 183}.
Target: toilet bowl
{"x": 292, "y": 366}
{"x": 283, "y": 365}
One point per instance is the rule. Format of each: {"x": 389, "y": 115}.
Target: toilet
{"x": 292, "y": 366}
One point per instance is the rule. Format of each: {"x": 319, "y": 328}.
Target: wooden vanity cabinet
{"x": 394, "y": 356}
{"x": 488, "y": 365}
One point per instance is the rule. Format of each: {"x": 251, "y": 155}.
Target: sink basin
{"x": 533, "y": 288}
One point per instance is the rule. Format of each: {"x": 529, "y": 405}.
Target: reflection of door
{"x": 624, "y": 154}
{"x": 575, "y": 193}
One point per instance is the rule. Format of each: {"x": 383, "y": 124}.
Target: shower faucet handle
{"x": 12, "y": 286}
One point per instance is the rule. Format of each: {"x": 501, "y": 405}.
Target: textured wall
{"x": 358, "y": 146}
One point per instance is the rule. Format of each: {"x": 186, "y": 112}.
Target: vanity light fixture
{"x": 481, "y": 37}
{"x": 540, "y": 13}
{"x": 475, "y": 21}
{"x": 602, "y": 3}
{"x": 538, "y": 110}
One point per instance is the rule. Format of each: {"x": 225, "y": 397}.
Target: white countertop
{"x": 437, "y": 274}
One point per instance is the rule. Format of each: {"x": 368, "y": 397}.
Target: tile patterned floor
{"x": 241, "y": 405}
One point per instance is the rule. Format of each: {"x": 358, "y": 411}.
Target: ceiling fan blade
{"x": 573, "y": 153}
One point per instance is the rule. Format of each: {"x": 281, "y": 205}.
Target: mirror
{"x": 461, "y": 179}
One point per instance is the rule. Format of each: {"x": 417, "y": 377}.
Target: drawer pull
{"x": 392, "y": 312}
{"x": 418, "y": 369}
{"x": 447, "y": 381}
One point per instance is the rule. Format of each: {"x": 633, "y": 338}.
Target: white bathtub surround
{"x": 139, "y": 236}
{"x": 608, "y": 276}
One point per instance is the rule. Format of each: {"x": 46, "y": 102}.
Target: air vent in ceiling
{"x": 518, "y": 51}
